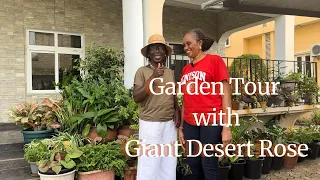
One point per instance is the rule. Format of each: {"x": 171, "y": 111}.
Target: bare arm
{"x": 140, "y": 92}
{"x": 226, "y": 100}
{"x": 226, "y": 103}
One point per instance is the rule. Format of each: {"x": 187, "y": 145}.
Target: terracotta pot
{"x": 235, "y": 106}
{"x": 126, "y": 131}
{"x": 110, "y": 136}
{"x": 290, "y": 162}
{"x": 96, "y": 175}
{"x": 130, "y": 175}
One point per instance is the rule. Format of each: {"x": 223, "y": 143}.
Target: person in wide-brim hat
{"x": 159, "y": 114}
{"x": 156, "y": 39}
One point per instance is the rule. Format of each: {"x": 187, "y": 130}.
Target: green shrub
{"x": 258, "y": 67}
{"x": 102, "y": 157}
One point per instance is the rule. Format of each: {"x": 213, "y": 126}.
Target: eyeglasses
{"x": 157, "y": 48}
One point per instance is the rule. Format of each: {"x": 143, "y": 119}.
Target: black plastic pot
{"x": 301, "y": 159}
{"x": 277, "y": 163}
{"x": 253, "y": 168}
{"x": 237, "y": 170}
{"x": 224, "y": 172}
{"x": 315, "y": 148}
{"x": 266, "y": 167}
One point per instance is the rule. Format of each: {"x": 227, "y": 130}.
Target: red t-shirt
{"x": 210, "y": 69}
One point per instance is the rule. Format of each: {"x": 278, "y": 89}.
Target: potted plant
{"x": 316, "y": 118}
{"x": 224, "y": 166}
{"x": 291, "y": 138}
{"x": 308, "y": 89}
{"x": 37, "y": 120}
{"x": 101, "y": 162}
{"x": 235, "y": 102}
{"x": 277, "y": 136}
{"x": 35, "y": 151}
{"x": 237, "y": 168}
{"x": 60, "y": 165}
{"x": 289, "y": 82}
{"x": 253, "y": 166}
{"x": 263, "y": 99}
{"x": 128, "y": 111}
{"x": 130, "y": 172}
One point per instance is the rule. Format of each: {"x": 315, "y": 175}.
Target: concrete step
{"x": 11, "y": 147}
{"x": 12, "y": 160}
{"x": 10, "y": 133}
{"x": 23, "y": 173}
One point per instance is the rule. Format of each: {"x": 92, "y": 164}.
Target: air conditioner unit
{"x": 315, "y": 50}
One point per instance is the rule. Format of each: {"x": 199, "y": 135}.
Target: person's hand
{"x": 181, "y": 139}
{"x": 177, "y": 119}
{"x": 158, "y": 71}
{"x": 226, "y": 136}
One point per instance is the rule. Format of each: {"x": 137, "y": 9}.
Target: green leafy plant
{"x": 35, "y": 116}
{"x": 102, "y": 157}
{"x": 242, "y": 65}
{"x": 103, "y": 62}
{"x": 36, "y": 151}
{"x": 308, "y": 88}
{"x": 316, "y": 118}
{"x": 62, "y": 150}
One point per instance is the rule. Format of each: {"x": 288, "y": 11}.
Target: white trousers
{"x": 157, "y": 168}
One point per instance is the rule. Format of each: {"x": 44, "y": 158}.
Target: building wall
{"x": 305, "y": 35}
{"x": 254, "y": 46}
{"x": 99, "y": 20}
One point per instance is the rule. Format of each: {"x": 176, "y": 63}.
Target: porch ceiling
{"x": 289, "y": 7}
{"x": 225, "y": 22}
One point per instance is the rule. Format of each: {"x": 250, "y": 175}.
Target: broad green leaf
{"x": 57, "y": 169}
{"x": 68, "y": 164}
{"x": 102, "y": 130}
{"x": 89, "y": 115}
{"x": 105, "y": 111}
{"x": 110, "y": 120}
{"x": 76, "y": 153}
{"x": 84, "y": 93}
{"x": 86, "y": 130}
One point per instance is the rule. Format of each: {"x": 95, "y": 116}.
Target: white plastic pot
{"x": 65, "y": 176}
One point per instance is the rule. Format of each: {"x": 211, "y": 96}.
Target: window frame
{"x": 49, "y": 49}
{"x": 225, "y": 44}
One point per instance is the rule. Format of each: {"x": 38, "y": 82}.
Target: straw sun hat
{"x": 156, "y": 39}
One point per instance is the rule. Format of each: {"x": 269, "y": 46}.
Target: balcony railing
{"x": 268, "y": 70}
{"x": 252, "y": 69}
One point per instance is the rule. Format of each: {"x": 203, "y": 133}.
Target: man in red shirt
{"x": 204, "y": 69}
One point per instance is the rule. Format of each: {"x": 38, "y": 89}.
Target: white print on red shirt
{"x": 199, "y": 75}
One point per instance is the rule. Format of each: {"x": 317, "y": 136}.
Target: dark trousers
{"x": 203, "y": 168}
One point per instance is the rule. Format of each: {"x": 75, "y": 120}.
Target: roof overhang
{"x": 288, "y": 7}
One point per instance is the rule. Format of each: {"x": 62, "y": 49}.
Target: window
{"x": 49, "y": 56}
{"x": 177, "y": 60}
{"x": 227, "y": 44}
{"x": 304, "y": 65}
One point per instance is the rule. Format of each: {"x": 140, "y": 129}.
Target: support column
{"x": 152, "y": 18}
{"x": 132, "y": 39}
{"x": 284, "y": 42}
